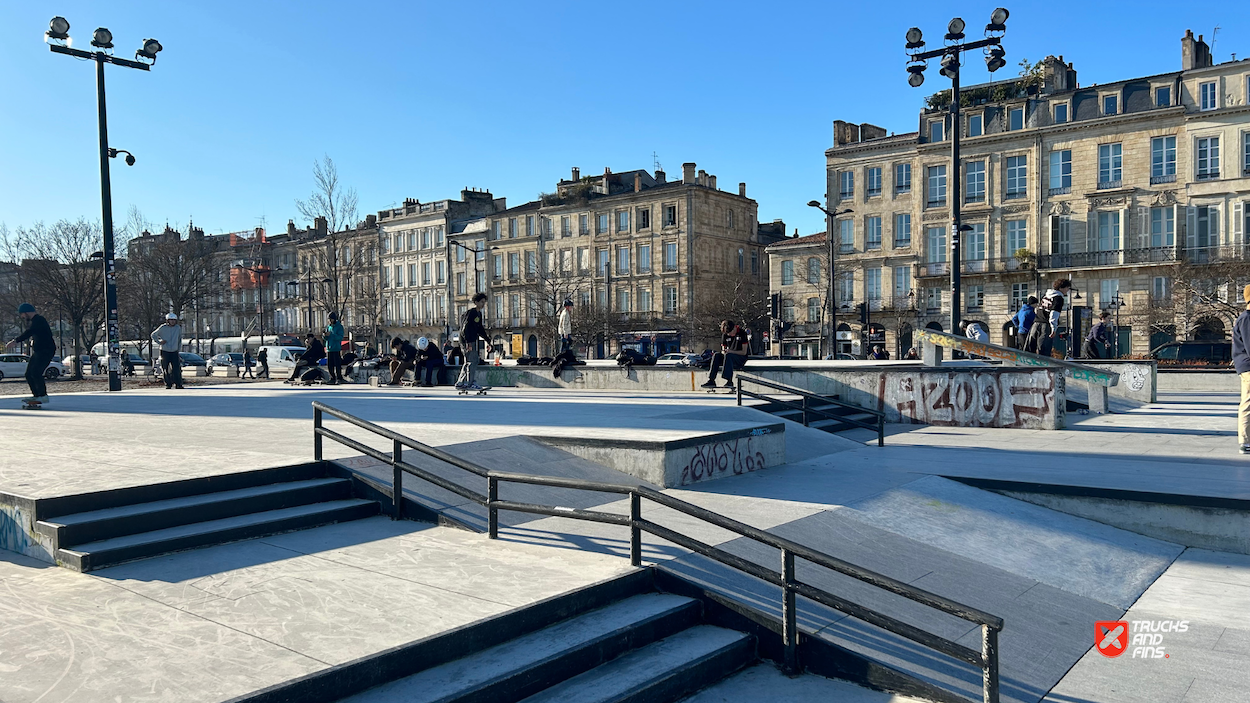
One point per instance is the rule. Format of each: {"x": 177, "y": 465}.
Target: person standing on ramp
{"x": 169, "y": 337}
{"x": 42, "y": 349}
{"x": 471, "y": 330}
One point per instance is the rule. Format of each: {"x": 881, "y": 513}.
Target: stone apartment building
{"x": 416, "y": 254}
{"x": 1137, "y": 190}
{"x": 646, "y": 260}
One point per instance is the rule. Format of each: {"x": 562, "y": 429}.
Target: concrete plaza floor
{"x": 210, "y": 624}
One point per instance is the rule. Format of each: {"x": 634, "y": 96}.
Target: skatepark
{"x": 193, "y": 545}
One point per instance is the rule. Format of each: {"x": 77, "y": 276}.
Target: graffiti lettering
{"x": 991, "y": 398}
{"x": 721, "y": 458}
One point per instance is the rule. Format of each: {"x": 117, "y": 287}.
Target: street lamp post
{"x": 831, "y": 344}
{"x": 102, "y": 39}
{"x": 308, "y": 291}
{"x": 262, "y": 273}
{"x": 950, "y": 56}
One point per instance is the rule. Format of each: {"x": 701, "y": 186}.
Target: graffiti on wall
{"x": 734, "y": 456}
{"x": 997, "y": 398}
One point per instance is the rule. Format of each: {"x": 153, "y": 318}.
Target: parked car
{"x": 14, "y": 366}
{"x": 1194, "y": 353}
{"x": 226, "y": 359}
{"x": 676, "y": 359}
{"x": 192, "y": 359}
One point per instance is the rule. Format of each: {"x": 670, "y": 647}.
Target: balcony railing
{"x": 935, "y": 268}
{"x": 1156, "y": 180}
{"x": 1216, "y": 254}
{"x": 1208, "y": 175}
{"x": 976, "y": 265}
{"x": 1150, "y": 255}
{"x": 1065, "y": 190}
{"x": 1108, "y": 185}
{"x": 1084, "y": 258}
{"x": 941, "y": 202}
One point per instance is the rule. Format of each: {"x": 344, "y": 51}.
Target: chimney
{"x": 290, "y": 227}
{"x": 371, "y": 221}
{"x": 320, "y": 226}
{"x": 660, "y": 177}
{"x": 607, "y": 171}
{"x": 637, "y": 182}
{"x": 687, "y": 173}
{"x": 742, "y": 189}
{"x": 711, "y": 182}
{"x": 702, "y": 179}
{"x": 1194, "y": 52}
{"x": 577, "y": 174}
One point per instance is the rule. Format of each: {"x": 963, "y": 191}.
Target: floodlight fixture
{"x": 994, "y": 59}
{"x": 915, "y": 75}
{"x": 955, "y": 30}
{"x": 950, "y": 66}
{"x": 58, "y": 28}
{"x": 102, "y": 38}
{"x": 150, "y": 49}
{"x": 915, "y": 38}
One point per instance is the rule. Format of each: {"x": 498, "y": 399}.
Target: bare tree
{"x": 544, "y": 294}
{"x": 330, "y": 199}
{"x": 731, "y": 298}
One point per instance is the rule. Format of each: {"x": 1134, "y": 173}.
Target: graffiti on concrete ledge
{"x": 735, "y": 456}
{"x": 978, "y": 399}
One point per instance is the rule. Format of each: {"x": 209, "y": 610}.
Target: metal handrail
{"x": 784, "y": 578}
{"x": 878, "y": 426}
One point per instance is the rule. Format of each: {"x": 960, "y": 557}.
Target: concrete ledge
{"x": 683, "y": 461}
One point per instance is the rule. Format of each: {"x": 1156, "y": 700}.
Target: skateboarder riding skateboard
{"x": 471, "y": 331}
{"x": 42, "y": 349}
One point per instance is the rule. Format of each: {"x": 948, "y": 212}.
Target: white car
{"x": 676, "y": 359}
{"x": 14, "y": 366}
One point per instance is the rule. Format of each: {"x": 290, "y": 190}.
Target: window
{"x": 529, "y": 225}
{"x": 872, "y": 233}
{"x": 670, "y": 256}
{"x": 386, "y": 277}
{"x": 846, "y": 287}
{"x": 602, "y": 224}
{"x": 902, "y": 282}
{"x": 644, "y": 300}
{"x": 1108, "y": 289}
{"x": 670, "y": 215}
{"x": 622, "y": 221}
{"x": 1162, "y": 227}
{"x": 583, "y": 224}
{"x": 1161, "y": 290}
{"x": 813, "y": 310}
{"x": 1108, "y": 231}
{"x": 545, "y": 223}
{"x": 1017, "y": 176}
{"x": 1206, "y": 96}
{"x": 787, "y": 273}
{"x": 514, "y": 305}
{"x": 1060, "y": 234}
{"x": 1060, "y": 171}
{"x": 497, "y": 265}
{"x": 1110, "y": 164}
{"x": 937, "y": 129}
{"x": 604, "y": 256}
{"x": 872, "y": 284}
{"x": 531, "y": 264}
{"x": 644, "y": 258}
{"x": 583, "y": 260}
{"x": 974, "y": 125}
{"x": 460, "y": 283}
{"x": 622, "y": 260}
{"x": 1110, "y": 104}
{"x": 498, "y": 307}
{"x": 873, "y": 182}
{"x": 846, "y": 235}
{"x": 937, "y": 185}
{"x": 602, "y": 296}
{"x": 480, "y": 247}
{"x": 1163, "y": 96}
{"x": 755, "y": 261}
{"x": 412, "y": 274}
{"x": 1208, "y": 157}
{"x": 933, "y": 298}
{"x": 514, "y": 264}
{"x": 936, "y": 240}
{"x": 1162, "y": 159}
{"x": 1245, "y": 149}
{"x": 729, "y": 219}
{"x": 442, "y": 271}
{"x": 902, "y": 230}
{"x": 1016, "y": 118}
{"x": 1061, "y": 113}
{"x": 495, "y": 229}
{"x": 974, "y": 243}
{"x": 813, "y": 271}
{"x": 623, "y": 299}
{"x": 787, "y": 310}
{"x": 1019, "y": 295}
{"x": 975, "y": 297}
{"x": 438, "y": 236}
{"x": 975, "y": 182}
{"x": 412, "y": 240}
{"x": 511, "y": 228}
{"x": 670, "y": 300}
{"x": 846, "y": 184}
{"x": 425, "y": 273}
{"x": 1202, "y": 228}
{"x": 902, "y": 178}
{"x": 644, "y": 218}
{"x": 566, "y": 226}
{"x": 1017, "y": 236}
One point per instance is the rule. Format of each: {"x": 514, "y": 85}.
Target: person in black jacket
{"x": 430, "y": 359}
{"x": 733, "y": 354}
{"x": 471, "y": 331}
{"x": 314, "y": 351}
{"x": 42, "y": 349}
{"x": 404, "y": 357}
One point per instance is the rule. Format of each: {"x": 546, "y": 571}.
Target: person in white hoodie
{"x": 565, "y": 326}
{"x": 169, "y": 338}
{"x": 1046, "y": 325}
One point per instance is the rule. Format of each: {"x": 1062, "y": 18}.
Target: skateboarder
{"x": 334, "y": 349}
{"x": 41, "y": 347}
{"x": 471, "y": 330}
{"x": 169, "y": 338}
{"x": 733, "y": 354}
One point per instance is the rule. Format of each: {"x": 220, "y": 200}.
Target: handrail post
{"x": 790, "y": 625}
{"x": 635, "y": 530}
{"x": 881, "y": 430}
{"x": 397, "y": 481}
{"x": 989, "y": 650}
{"x": 739, "y": 391}
{"x": 492, "y": 513}
{"x": 316, "y": 434}
{"x": 804, "y": 399}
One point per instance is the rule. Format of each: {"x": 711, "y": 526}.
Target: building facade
{"x": 1135, "y": 190}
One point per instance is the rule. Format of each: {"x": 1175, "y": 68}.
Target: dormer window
{"x": 1110, "y": 105}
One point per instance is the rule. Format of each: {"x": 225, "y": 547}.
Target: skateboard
{"x": 725, "y": 389}
{"x": 467, "y": 391}
{"x": 32, "y": 405}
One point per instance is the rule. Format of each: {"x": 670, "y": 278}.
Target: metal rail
{"x": 784, "y": 577}
{"x": 1078, "y": 371}
{"x": 804, "y": 396}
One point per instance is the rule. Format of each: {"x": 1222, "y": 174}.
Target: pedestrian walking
{"x": 732, "y": 354}
{"x": 1097, "y": 342}
{"x": 169, "y": 338}
{"x": 1041, "y": 338}
{"x": 471, "y": 330}
{"x": 247, "y": 365}
{"x": 1241, "y": 361}
{"x": 262, "y": 358}
{"x": 334, "y": 349}
{"x": 42, "y": 348}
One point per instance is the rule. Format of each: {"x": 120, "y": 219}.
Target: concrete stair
{"x": 822, "y": 421}
{"x": 198, "y": 515}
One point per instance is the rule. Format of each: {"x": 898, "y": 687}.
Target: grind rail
{"x": 804, "y": 403}
{"x": 784, "y": 578}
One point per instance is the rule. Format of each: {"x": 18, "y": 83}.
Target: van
{"x": 282, "y": 357}
{"x": 1194, "y": 353}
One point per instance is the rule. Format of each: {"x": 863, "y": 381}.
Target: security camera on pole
{"x": 949, "y": 54}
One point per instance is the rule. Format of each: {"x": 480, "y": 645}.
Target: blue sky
{"x": 420, "y": 99}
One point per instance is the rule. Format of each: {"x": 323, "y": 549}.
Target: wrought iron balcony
{"x": 935, "y": 268}
{"x": 1156, "y": 180}
{"x": 1065, "y": 190}
{"x": 1150, "y": 255}
{"x": 1109, "y": 185}
{"x": 1216, "y": 254}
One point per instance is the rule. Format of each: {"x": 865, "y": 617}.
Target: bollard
{"x": 1098, "y": 402}
{"x": 930, "y": 354}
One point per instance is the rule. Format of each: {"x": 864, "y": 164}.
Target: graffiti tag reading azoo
{"x": 979, "y": 399}
{"x": 735, "y": 456}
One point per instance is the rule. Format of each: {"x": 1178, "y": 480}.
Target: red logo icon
{"x": 1111, "y": 637}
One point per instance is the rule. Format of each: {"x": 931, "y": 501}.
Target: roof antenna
{"x": 655, "y": 162}
{"x": 1213, "y": 33}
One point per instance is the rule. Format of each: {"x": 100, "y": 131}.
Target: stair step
{"x": 528, "y": 664}
{"x": 107, "y": 552}
{"x": 663, "y": 671}
{"x": 96, "y": 525}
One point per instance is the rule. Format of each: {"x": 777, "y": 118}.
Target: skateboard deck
{"x": 31, "y": 405}
{"x": 720, "y": 389}
{"x": 467, "y": 391}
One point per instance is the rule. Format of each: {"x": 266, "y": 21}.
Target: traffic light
{"x": 775, "y": 304}
{"x": 863, "y": 312}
